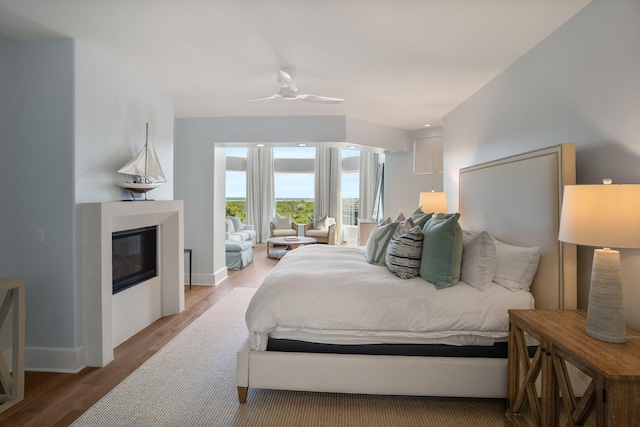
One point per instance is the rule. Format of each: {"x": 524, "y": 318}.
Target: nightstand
{"x": 614, "y": 370}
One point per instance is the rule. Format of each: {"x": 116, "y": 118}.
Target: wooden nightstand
{"x": 614, "y": 369}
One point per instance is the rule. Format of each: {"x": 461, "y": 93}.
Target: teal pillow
{"x": 442, "y": 250}
{"x": 237, "y": 223}
{"x": 379, "y": 238}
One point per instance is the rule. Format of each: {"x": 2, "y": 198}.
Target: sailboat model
{"x": 144, "y": 171}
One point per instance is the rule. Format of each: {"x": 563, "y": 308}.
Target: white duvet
{"x": 331, "y": 294}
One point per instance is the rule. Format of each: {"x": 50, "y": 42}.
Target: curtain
{"x": 328, "y": 176}
{"x": 369, "y": 184}
{"x": 260, "y": 192}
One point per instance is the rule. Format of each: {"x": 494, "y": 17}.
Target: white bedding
{"x": 330, "y": 294}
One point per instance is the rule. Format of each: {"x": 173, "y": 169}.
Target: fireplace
{"x": 134, "y": 257}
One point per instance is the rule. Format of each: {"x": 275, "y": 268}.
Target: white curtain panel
{"x": 369, "y": 171}
{"x": 328, "y": 178}
{"x": 260, "y": 192}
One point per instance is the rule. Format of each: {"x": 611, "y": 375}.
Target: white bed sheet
{"x": 325, "y": 293}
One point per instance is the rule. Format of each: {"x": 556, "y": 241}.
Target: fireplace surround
{"x": 109, "y": 319}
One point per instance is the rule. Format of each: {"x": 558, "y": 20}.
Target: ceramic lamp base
{"x": 605, "y": 316}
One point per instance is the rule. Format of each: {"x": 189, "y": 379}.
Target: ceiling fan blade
{"x": 285, "y": 78}
{"x": 264, "y": 98}
{"x": 320, "y": 99}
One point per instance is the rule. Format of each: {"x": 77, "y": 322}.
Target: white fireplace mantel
{"x": 99, "y": 221}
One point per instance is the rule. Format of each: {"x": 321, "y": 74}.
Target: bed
{"x": 515, "y": 199}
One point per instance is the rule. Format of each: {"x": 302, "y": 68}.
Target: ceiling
{"x": 401, "y": 63}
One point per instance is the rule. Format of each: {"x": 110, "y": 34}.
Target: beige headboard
{"x": 517, "y": 200}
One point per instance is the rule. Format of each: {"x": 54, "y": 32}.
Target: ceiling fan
{"x": 289, "y": 90}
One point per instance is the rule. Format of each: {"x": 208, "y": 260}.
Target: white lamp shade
{"x": 601, "y": 215}
{"x": 433, "y": 201}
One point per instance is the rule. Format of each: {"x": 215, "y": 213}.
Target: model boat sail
{"x": 144, "y": 171}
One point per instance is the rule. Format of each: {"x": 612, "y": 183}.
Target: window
{"x": 293, "y": 182}
{"x": 236, "y": 183}
{"x": 350, "y": 187}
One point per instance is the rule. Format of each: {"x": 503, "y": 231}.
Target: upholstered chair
{"x": 323, "y": 230}
{"x": 282, "y": 226}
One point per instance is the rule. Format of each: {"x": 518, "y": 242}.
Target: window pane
{"x": 236, "y": 151}
{"x": 349, "y": 153}
{"x": 236, "y": 194}
{"x": 350, "y": 197}
{"x": 294, "y": 196}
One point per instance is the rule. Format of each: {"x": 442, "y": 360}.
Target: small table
{"x": 289, "y": 244}
{"x": 614, "y": 370}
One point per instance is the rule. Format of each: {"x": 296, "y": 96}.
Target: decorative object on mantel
{"x": 603, "y": 215}
{"x": 144, "y": 171}
{"x": 433, "y": 201}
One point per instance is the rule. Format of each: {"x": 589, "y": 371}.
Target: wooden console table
{"x": 614, "y": 369}
{"x": 12, "y": 380}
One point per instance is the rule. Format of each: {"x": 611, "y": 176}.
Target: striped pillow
{"x": 404, "y": 254}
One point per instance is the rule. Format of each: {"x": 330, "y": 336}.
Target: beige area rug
{"x": 191, "y": 382}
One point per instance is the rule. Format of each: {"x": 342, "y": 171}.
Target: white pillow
{"x": 282, "y": 222}
{"x": 516, "y": 266}
{"x": 320, "y": 223}
{"x": 478, "y": 259}
{"x": 229, "y": 226}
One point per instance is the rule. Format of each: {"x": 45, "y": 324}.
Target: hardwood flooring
{"x": 54, "y": 399}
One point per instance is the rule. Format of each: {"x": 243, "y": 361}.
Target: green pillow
{"x": 420, "y": 218}
{"x": 442, "y": 250}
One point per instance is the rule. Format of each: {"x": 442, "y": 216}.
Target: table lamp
{"x": 603, "y": 215}
{"x": 433, "y": 201}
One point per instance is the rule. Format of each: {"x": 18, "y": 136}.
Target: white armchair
{"x": 323, "y": 230}
{"x": 282, "y": 226}
{"x": 237, "y": 231}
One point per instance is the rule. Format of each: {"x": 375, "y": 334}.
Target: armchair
{"x": 323, "y": 230}
{"x": 282, "y": 226}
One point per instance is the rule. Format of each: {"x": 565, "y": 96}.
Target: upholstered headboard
{"x": 517, "y": 200}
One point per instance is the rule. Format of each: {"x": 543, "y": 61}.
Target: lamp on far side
{"x": 433, "y": 201}
{"x": 603, "y": 215}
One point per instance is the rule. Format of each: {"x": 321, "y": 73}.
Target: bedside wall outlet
{"x": 39, "y": 236}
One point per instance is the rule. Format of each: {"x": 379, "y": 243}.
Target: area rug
{"x": 191, "y": 382}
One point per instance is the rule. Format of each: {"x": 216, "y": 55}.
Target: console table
{"x": 12, "y": 380}
{"x": 613, "y": 394}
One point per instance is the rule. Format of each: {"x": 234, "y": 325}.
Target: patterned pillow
{"x": 403, "y": 227}
{"x": 404, "y": 253}
{"x": 376, "y": 247}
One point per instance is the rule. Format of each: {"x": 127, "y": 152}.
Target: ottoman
{"x": 239, "y": 254}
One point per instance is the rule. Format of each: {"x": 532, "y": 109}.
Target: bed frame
{"x": 516, "y": 199}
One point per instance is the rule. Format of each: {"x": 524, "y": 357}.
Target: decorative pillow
{"x": 478, "y": 259}
{"x": 376, "y": 247}
{"x": 400, "y": 217}
{"x": 282, "y": 222}
{"x": 320, "y": 223}
{"x": 420, "y": 218}
{"x": 404, "y": 253}
{"x": 442, "y": 250}
{"x": 237, "y": 223}
{"x": 228, "y": 226}
{"x": 403, "y": 227}
{"x": 516, "y": 266}
{"x": 386, "y": 221}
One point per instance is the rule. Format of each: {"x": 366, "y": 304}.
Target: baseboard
{"x": 63, "y": 360}
{"x": 220, "y": 275}
{"x": 208, "y": 279}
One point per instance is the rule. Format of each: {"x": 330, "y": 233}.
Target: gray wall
{"x": 580, "y": 85}
{"x": 7, "y": 169}
{"x": 75, "y": 116}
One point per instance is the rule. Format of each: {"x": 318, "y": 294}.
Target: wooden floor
{"x": 53, "y": 399}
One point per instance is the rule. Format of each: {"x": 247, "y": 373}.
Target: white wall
{"x": 402, "y": 186}
{"x": 198, "y": 181}
{"x": 580, "y": 85}
{"x": 112, "y": 106}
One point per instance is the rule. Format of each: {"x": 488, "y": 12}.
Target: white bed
{"x": 517, "y": 200}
